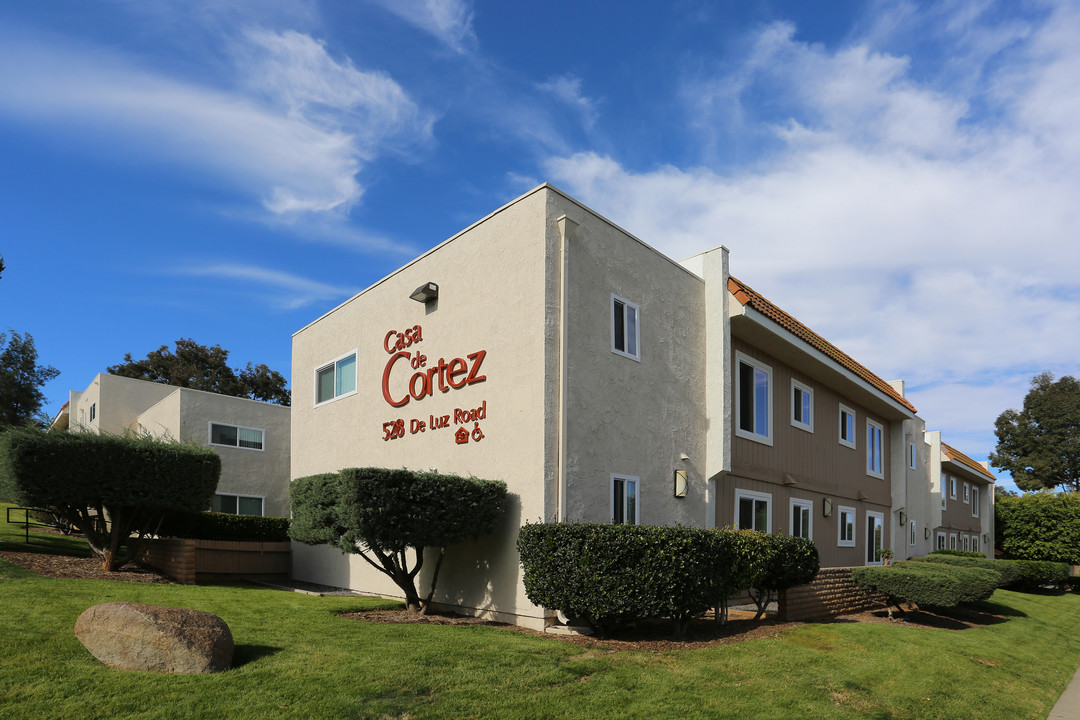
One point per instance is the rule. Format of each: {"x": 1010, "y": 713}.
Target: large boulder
{"x": 132, "y": 636}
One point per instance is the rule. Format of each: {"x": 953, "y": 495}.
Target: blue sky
{"x": 902, "y": 177}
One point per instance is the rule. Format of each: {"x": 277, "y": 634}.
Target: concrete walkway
{"x": 1068, "y": 705}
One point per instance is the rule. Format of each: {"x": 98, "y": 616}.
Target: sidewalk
{"x": 1068, "y": 705}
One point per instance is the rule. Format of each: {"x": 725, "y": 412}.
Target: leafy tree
{"x": 1040, "y": 445}
{"x": 21, "y": 380}
{"x": 379, "y": 514}
{"x": 790, "y": 561}
{"x": 1039, "y": 526}
{"x": 205, "y": 368}
{"x": 115, "y": 489}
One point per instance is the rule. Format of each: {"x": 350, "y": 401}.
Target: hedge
{"x": 927, "y": 584}
{"x": 611, "y": 575}
{"x": 790, "y": 561}
{"x": 1039, "y": 526}
{"x": 959, "y": 553}
{"x": 1036, "y": 574}
{"x": 1008, "y": 571}
{"x": 224, "y": 526}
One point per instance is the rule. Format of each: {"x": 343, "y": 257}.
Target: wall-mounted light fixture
{"x": 680, "y": 483}
{"x": 826, "y": 507}
{"x": 986, "y": 539}
{"x": 926, "y": 533}
{"x": 903, "y": 518}
{"x": 425, "y": 293}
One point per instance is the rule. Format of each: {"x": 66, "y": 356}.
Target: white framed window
{"x": 952, "y": 541}
{"x": 802, "y": 518}
{"x": 625, "y": 328}
{"x": 875, "y": 536}
{"x": 753, "y": 510}
{"x": 974, "y": 502}
{"x": 912, "y": 534}
{"x": 625, "y": 508}
{"x": 847, "y": 426}
{"x": 846, "y": 532}
{"x": 940, "y": 544}
{"x": 802, "y": 406}
{"x": 975, "y": 543}
{"x": 874, "y": 445}
{"x": 336, "y": 379}
{"x": 93, "y": 412}
{"x": 236, "y": 436}
{"x": 913, "y": 457}
{"x": 967, "y": 493}
{"x": 944, "y": 501}
{"x": 967, "y": 543}
{"x": 237, "y": 504}
{"x": 952, "y": 487}
{"x": 753, "y": 398}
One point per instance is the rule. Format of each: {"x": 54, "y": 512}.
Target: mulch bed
{"x": 649, "y": 636}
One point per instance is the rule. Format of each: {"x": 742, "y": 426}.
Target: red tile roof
{"x": 957, "y": 456}
{"x": 748, "y": 296}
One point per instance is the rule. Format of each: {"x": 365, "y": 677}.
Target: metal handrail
{"x": 27, "y": 523}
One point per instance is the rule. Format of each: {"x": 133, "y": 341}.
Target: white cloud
{"x": 929, "y": 241}
{"x": 450, "y": 21}
{"x": 294, "y": 131}
{"x": 289, "y": 291}
{"x": 567, "y": 89}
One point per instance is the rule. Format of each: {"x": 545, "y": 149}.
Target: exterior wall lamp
{"x": 826, "y": 507}
{"x": 680, "y": 483}
{"x": 425, "y": 293}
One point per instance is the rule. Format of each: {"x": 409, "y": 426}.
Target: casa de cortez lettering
{"x": 443, "y": 374}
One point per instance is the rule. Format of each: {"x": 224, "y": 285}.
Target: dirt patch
{"x": 82, "y": 568}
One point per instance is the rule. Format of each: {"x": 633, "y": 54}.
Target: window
{"x": 913, "y": 535}
{"x": 913, "y": 457}
{"x": 754, "y": 398}
{"x": 236, "y": 436}
{"x": 952, "y": 541}
{"x": 802, "y": 406}
{"x": 967, "y": 493}
{"x": 625, "y": 330}
{"x": 940, "y": 544}
{"x": 237, "y": 504}
{"x": 753, "y": 510}
{"x": 944, "y": 502}
{"x": 847, "y": 426}
{"x": 975, "y": 543}
{"x": 873, "y": 449}
{"x": 974, "y": 502}
{"x": 875, "y": 537}
{"x": 967, "y": 543}
{"x": 802, "y": 518}
{"x": 952, "y": 487}
{"x": 846, "y": 536}
{"x": 93, "y": 412}
{"x": 336, "y": 379}
{"x": 625, "y": 509}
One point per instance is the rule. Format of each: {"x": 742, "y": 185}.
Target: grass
{"x": 296, "y": 658}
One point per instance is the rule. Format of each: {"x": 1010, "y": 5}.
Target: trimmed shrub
{"x": 790, "y": 561}
{"x": 927, "y": 584}
{"x": 958, "y": 553}
{"x": 1008, "y": 570}
{"x": 1039, "y": 526}
{"x": 379, "y": 513}
{"x": 225, "y": 526}
{"x": 1036, "y": 574}
{"x": 614, "y": 574}
{"x": 110, "y": 487}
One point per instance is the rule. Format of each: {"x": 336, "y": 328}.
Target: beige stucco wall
{"x": 119, "y": 401}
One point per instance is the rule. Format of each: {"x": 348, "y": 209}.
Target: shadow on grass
{"x": 998, "y": 609}
{"x": 248, "y": 653}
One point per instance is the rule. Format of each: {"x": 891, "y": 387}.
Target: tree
{"x": 1039, "y": 526}
{"x": 1040, "y": 445}
{"x": 116, "y": 490}
{"x": 21, "y": 380}
{"x": 379, "y": 514}
{"x": 205, "y": 368}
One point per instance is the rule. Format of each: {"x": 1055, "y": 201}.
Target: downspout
{"x": 566, "y": 226}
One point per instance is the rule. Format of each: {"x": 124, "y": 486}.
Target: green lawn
{"x": 297, "y": 659}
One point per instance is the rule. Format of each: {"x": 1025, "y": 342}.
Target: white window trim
{"x": 260, "y": 498}
{"x": 975, "y": 502}
{"x": 840, "y": 541}
{"x": 637, "y": 328}
{"x": 913, "y": 456}
{"x": 611, "y": 497}
{"x": 796, "y": 385}
{"x": 975, "y": 543}
{"x": 912, "y": 533}
{"x": 853, "y": 442}
{"x": 799, "y": 502}
{"x": 753, "y": 494}
{"x": 210, "y": 438}
{"x": 952, "y": 486}
{"x": 872, "y": 472}
{"x": 940, "y": 542}
{"x": 93, "y": 412}
{"x": 966, "y": 543}
{"x": 333, "y": 363}
{"x": 870, "y": 538}
{"x": 967, "y": 493}
{"x": 952, "y": 541}
{"x": 757, "y": 364}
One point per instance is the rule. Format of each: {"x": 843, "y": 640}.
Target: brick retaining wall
{"x": 832, "y": 593}
{"x": 187, "y": 561}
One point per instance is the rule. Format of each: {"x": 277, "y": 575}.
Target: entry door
{"x": 875, "y": 536}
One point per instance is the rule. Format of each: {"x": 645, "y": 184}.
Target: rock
{"x": 132, "y": 636}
